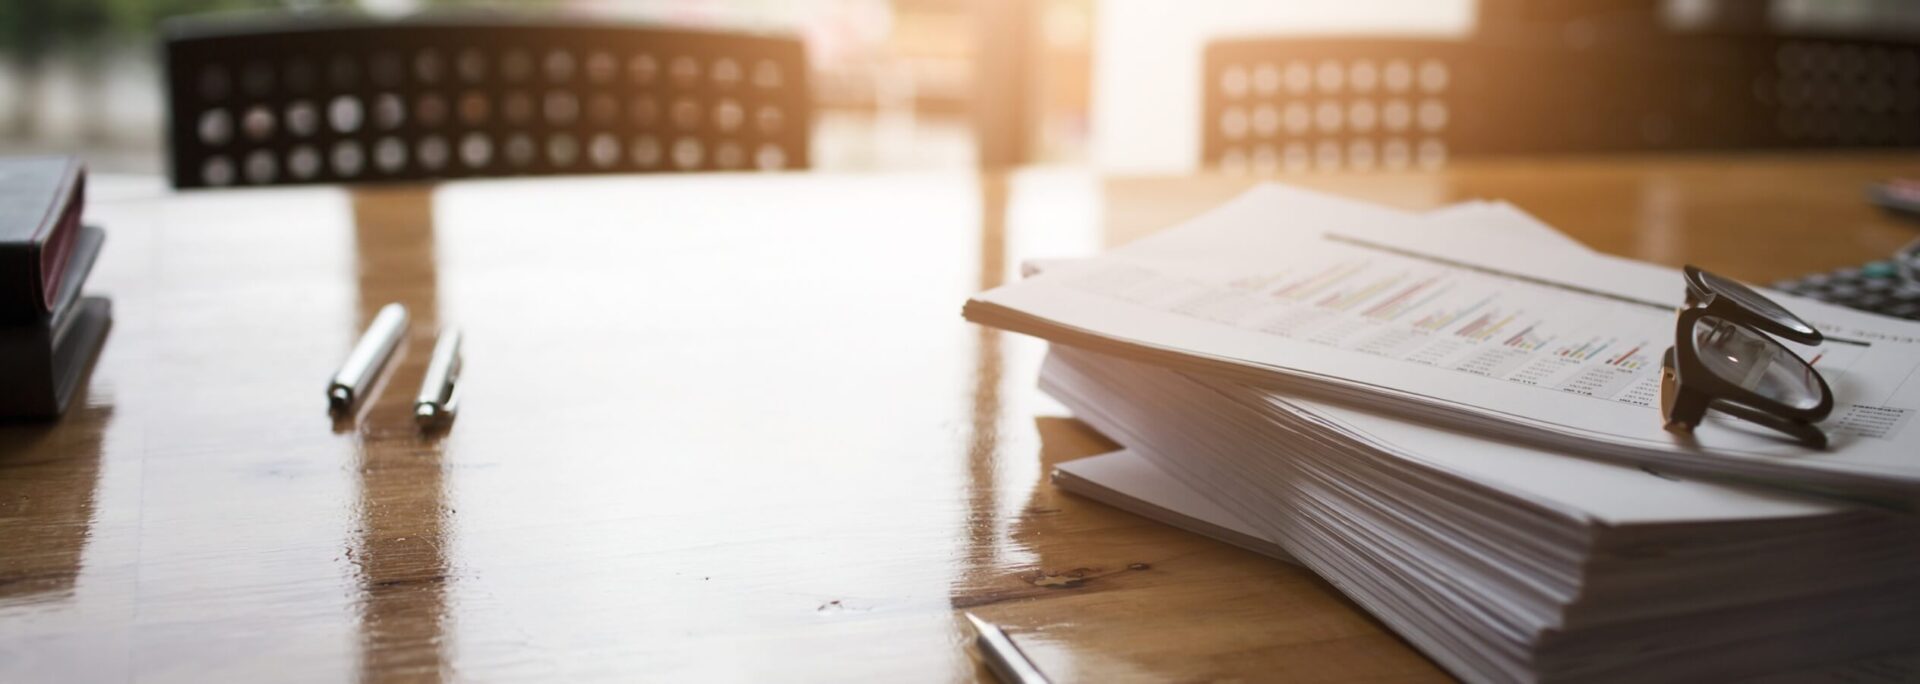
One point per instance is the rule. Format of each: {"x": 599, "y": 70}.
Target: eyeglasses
{"x": 1908, "y": 261}
{"x": 1724, "y": 359}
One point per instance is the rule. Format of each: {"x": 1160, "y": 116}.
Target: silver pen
{"x": 376, "y": 345}
{"x": 439, "y": 396}
{"x": 1005, "y": 659}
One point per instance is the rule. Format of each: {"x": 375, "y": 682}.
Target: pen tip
{"x": 425, "y": 412}
{"x": 979, "y": 625}
{"x": 338, "y": 398}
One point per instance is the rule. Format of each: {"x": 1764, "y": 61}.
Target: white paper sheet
{"x": 1552, "y": 345}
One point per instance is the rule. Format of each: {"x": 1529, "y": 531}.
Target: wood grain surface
{"x": 714, "y": 428}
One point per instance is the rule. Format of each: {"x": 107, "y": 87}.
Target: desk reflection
{"x": 983, "y": 444}
{"x": 400, "y": 553}
{"x": 49, "y": 474}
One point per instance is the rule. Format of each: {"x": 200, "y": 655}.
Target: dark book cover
{"x": 42, "y": 361}
{"x": 40, "y": 203}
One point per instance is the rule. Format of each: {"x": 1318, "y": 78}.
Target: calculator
{"x": 1890, "y": 287}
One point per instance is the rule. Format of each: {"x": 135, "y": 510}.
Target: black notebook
{"x": 40, "y": 202}
{"x": 41, "y": 362}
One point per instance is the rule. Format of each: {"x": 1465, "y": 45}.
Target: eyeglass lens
{"x": 1755, "y": 362}
{"x": 1754, "y": 301}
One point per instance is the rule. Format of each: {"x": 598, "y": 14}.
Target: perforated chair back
{"x": 1368, "y": 103}
{"x": 289, "y": 100}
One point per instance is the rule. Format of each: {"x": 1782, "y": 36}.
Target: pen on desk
{"x": 1002, "y": 656}
{"x": 375, "y": 346}
{"x": 439, "y": 396}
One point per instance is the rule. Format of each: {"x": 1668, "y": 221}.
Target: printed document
{"x": 1313, "y": 293}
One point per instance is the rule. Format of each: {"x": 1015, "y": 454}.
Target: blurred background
{"x": 898, "y": 84}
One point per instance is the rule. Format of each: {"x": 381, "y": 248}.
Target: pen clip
{"x": 451, "y": 406}
{"x": 439, "y": 397}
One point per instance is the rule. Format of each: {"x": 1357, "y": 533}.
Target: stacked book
{"x": 1336, "y": 384}
{"x": 49, "y": 333}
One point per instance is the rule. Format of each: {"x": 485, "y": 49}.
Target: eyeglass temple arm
{"x": 1807, "y": 433}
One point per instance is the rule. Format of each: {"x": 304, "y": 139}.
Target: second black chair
{"x": 1373, "y": 103}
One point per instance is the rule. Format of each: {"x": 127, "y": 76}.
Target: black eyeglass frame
{"x": 1688, "y": 389}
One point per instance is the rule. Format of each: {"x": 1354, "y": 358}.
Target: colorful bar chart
{"x": 1452, "y": 319}
{"x": 1485, "y": 327}
{"x": 1587, "y": 349}
{"x": 1413, "y": 297}
{"x": 1441, "y": 319}
{"x": 1318, "y": 282}
{"x": 1631, "y": 359}
{"x": 1347, "y": 299}
{"x": 1526, "y": 339}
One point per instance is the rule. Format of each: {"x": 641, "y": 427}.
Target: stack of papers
{"x": 1451, "y": 418}
{"x": 1129, "y": 481}
{"x": 1561, "y": 348}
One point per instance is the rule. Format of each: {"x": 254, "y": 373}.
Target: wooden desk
{"x": 715, "y": 428}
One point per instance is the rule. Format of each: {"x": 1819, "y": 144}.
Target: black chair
{"x": 1371, "y": 103}
{"x": 291, "y": 99}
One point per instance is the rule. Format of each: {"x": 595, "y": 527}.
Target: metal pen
{"x": 1002, "y": 656}
{"x": 376, "y": 345}
{"x": 439, "y": 397}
